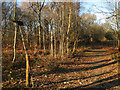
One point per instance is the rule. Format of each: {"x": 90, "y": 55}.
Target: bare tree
{"x": 40, "y": 7}
{"x": 76, "y": 26}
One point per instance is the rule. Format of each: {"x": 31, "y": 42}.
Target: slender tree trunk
{"x": 27, "y": 34}
{"x": 26, "y": 56}
{"x": 4, "y": 33}
{"x": 62, "y": 36}
{"x": 15, "y": 32}
{"x": 44, "y": 40}
{"x": 51, "y": 39}
{"x": 61, "y": 33}
{"x": 51, "y": 32}
{"x": 76, "y": 29}
{"x": 62, "y": 52}
{"x": 54, "y": 43}
{"x": 39, "y": 24}
{"x": 116, "y": 11}
{"x": 60, "y": 49}
{"x": 15, "y": 42}
{"x": 30, "y": 35}
{"x": 74, "y": 47}
{"x": 115, "y": 40}
{"x": 35, "y": 42}
{"x": 68, "y": 30}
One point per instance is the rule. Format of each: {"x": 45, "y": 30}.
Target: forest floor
{"x": 90, "y": 67}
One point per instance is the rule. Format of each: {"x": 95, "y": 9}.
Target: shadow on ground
{"x": 103, "y": 83}
{"x": 64, "y": 70}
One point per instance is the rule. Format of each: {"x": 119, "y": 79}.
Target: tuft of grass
{"x": 116, "y": 58}
{"x": 36, "y": 61}
{"x": 54, "y": 66}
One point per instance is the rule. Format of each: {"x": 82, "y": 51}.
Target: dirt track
{"x": 91, "y": 68}
{"x": 88, "y": 68}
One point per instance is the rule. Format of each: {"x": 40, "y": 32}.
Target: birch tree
{"x": 14, "y": 18}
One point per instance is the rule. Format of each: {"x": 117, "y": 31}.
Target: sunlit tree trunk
{"x": 15, "y": 32}
{"x": 69, "y": 21}
{"x": 51, "y": 33}
{"x": 51, "y": 39}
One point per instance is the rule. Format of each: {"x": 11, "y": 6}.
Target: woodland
{"x": 56, "y": 45}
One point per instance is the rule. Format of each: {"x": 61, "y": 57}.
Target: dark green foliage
{"x": 109, "y": 35}
{"x": 98, "y": 35}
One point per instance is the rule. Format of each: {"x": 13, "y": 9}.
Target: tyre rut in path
{"x": 101, "y": 69}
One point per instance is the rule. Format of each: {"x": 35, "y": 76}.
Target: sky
{"x": 96, "y": 8}
{"x": 92, "y": 6}
{"x": 71, "y": 0}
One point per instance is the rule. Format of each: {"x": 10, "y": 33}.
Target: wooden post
{"x": 27, "y": 61}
